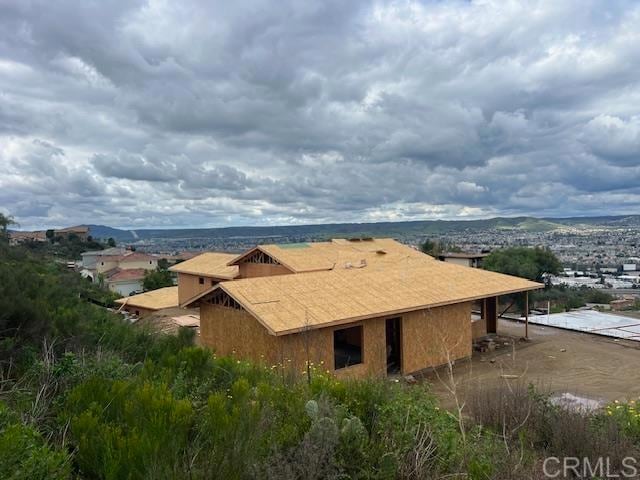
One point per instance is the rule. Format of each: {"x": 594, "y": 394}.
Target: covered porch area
{"x": 485, "y": 313}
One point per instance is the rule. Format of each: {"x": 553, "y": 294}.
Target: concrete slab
{"x": 592, "y": 321}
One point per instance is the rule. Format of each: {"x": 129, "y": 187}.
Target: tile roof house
{"x": 122, "y": 270}
{"x": 358, "y": 307}
{"x": 124, "y": 281}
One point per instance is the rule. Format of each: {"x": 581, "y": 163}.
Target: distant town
{"x": 596, "y": 252}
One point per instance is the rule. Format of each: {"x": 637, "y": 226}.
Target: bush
{"x": 24, "y": 454}
{"x": 521, "y": 417}
{"x": 128, "y": 429}
{"x": 627, "y": 416}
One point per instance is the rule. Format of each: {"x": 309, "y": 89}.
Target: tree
{"x": 531, "y": 263}
{"x": 154, "y": 279}
{"x": 111, "y": 242}
{"x": 50, "y": 234}
{"x": 5, "y": 223}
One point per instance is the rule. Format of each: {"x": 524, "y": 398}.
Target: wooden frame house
{"x": 357, "y": 308}
{"x": 201, "y": 273}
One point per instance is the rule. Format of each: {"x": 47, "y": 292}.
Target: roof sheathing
{"x": 208, "y": 264}
{"x": 166, "y": 297}
{"x": 338, "y": 253}
{"x": 287, "y": 304}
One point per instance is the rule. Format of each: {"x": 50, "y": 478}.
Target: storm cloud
{"x": 202, "y": 113}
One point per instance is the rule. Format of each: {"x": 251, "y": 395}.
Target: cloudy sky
{"x": 204, "y": 113}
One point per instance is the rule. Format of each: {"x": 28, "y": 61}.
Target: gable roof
{"x": 209, "y": 264}
{"x": 107, "y": 252}
{"x": 317, "y": 256}
{"x": 136, "y": 257}
{"x": 153, "y": 300}
{"x": 287, "y": 304}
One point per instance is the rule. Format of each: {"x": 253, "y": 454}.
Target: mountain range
{"x": 434, "y": 227}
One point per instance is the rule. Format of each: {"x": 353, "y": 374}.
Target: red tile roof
{"x": 120, "y": 275}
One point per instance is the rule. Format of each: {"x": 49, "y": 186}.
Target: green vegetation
{"x": 531, "y": 263}
{"x": 85, "y": 394}
{"x": 563, "y": 298}
{"x": 5, "y": 223}
{"x": 64, "y": 248}
{"x": 158, "y": 278}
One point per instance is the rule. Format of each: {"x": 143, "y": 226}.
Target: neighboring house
{"x": 121, "y": 270}
{"x": 81, "y": 232}
{"x": 356, "y": 307}
{"x": 124, "y": 281}
{"x": 148, "y": 302}
{"x": 132, "y": 260}
{"x": 90, "y": 259}
{"x": 202, "y": 272}
{"x": 17, "y": 238}
{"x": 465, "y": 259}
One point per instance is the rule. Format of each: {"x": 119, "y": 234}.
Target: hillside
{"x": 86, "y": 394}
{"x": 381, "y": 229}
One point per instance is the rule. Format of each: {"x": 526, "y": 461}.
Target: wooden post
{"x": 526, "y": 315}
{"x": 491, "y": 309}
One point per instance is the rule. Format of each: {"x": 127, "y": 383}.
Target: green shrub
{"x": 627, "y": 416}
{"x": 25, "y": 455}
{"x": 128, "y": 429}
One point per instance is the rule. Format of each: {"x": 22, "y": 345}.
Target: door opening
{"x": 394, "y": 352}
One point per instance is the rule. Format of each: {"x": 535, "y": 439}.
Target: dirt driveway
{"x": 555, "y": 360}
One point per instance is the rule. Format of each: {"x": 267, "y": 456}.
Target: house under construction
{"x": 357, "y": 307}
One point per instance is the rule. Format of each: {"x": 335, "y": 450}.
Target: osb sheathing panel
{"x": 432, "y": 337}
{"x": 429, "y": 338}
{"x": 290, "y": 303}
{"x": 208, "y": 264}
{"x": 166, "y": 297}
{"x": 339, "y": 252}
{"x": 375, "y": 357}
{"x": 235, "y": 332}
{"x": 479, "y": 328}
{"x": 251, "y": 270}
{"x": 189, "y": 286}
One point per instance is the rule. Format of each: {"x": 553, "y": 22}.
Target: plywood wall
{"x": 189, "y": 286}
{"x": 432, "y": 336}
{"x": 429, "y": 338}
{"x": 250, "y": 270}
{"x": 236, "y": 332}
{"x": 479, "y": 328}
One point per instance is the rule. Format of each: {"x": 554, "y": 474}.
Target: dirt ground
{"x": 555, "y": 360}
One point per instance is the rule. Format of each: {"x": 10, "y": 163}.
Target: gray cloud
{"x": 210, "y": 113}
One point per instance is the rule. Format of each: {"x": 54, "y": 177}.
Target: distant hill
{"x": 434, "y": 227}
{"x": 104, "y": 232}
